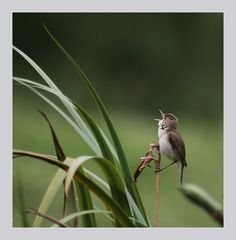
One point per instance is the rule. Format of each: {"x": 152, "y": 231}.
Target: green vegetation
{"x": 37, "y": 175}
{"x": 124, "y": 202}
{"x": 203, "y": 137}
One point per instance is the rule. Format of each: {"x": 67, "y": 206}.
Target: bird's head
{"x": 168, "y": 121}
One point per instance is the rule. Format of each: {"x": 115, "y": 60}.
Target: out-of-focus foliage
{"x": 204, "y": 200}
{"x": 133, "y": 59}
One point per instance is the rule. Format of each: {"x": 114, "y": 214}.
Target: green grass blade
{"x": 49, "y": 196}
{"x": 48, "y": 89}
{"x": 68, "y": 104}
{"x": 19, "y": 199}
{"x": 54, "y": 187}
{"x": 123, "y": 161}
{"x": 61, "y": 157}
{"x": 112, "y": 175}
{"x": 85, "y": 195}
{"x": 79, "y": 214}
{"x": 73, "y": 203}
{"x": 106, "y": 153}
{"x": 117, "y": 195}
{"x": 107, "y": 215}
{"x": 85, "y": 203}
{"x": 136, "y": 210}
{"x": 37, "y": 85}
{"x": 133, "y": 205}
{"x": 110, "y": 204}
{"x": 110, "y": 146}
{"x": 93, "y": 146}
{"x": 138, "y": 201}
{"x": 97, "y": 178}
{"x": 203, "y": 199}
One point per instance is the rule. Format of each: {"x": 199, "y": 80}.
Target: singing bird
{"x": 171, "y": 143}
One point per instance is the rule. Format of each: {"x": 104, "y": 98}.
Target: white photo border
{"x": 11, "y": 6}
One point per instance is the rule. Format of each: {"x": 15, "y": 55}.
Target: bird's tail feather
{"x": 180, "y": 168}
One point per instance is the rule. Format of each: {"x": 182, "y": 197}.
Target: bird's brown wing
{"x": 177, "y": 143}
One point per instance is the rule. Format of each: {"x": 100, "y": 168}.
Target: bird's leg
{"x": 160, "y": 169}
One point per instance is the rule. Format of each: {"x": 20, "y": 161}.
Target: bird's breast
{"x": 166, "y": 148}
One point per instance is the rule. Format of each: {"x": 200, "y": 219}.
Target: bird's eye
{"x": 163, "y": 126}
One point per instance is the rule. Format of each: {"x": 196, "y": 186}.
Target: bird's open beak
{"x": 162, "y": 114}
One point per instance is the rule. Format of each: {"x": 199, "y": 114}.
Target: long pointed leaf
{"x": 90, "y": 220}
{"x": 49, "y": 218}
{"x": 54, "y": 187}
{"x": 112, "y": 205}
{"x": 85, "y": 205}
{"x": 79, "y": 214}
{"x": 94, "y": 147}
{"x": 60, "y": 153}
{"x": 107, "y": 215}
{"x": 48, "y": 89}
{"x": 123, "y": 161}
{"x": 61, "y": 157}
{"x": 38, "y": 85}
{"x": 21, "y": 153}
{"x": 19, "y": 200}
{"x": 114, "y": 179}
{"x": 106, "y": 153}
{"x": 203, "y": 199}
{"x": 68, "y": 104}
{"x": 136, "y": 210}
{"x": 97, "y": 178}
{"x": 49, "y": 196}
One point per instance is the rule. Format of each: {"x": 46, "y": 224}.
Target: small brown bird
{"x": 171, "y": 143}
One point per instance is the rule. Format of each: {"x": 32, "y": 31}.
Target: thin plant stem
{"x": 158, "y": 166}
{"x": 153, "y": 150}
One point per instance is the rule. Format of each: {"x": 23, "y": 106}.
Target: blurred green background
{"x": 138, "y": 62}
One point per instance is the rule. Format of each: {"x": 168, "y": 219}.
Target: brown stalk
{"x": 158, "y": 167}
{"x": 150, "y": 156}
{"x": 49, "y": 218}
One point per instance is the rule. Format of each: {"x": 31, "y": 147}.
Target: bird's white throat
{"x": 161, "y": 130}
